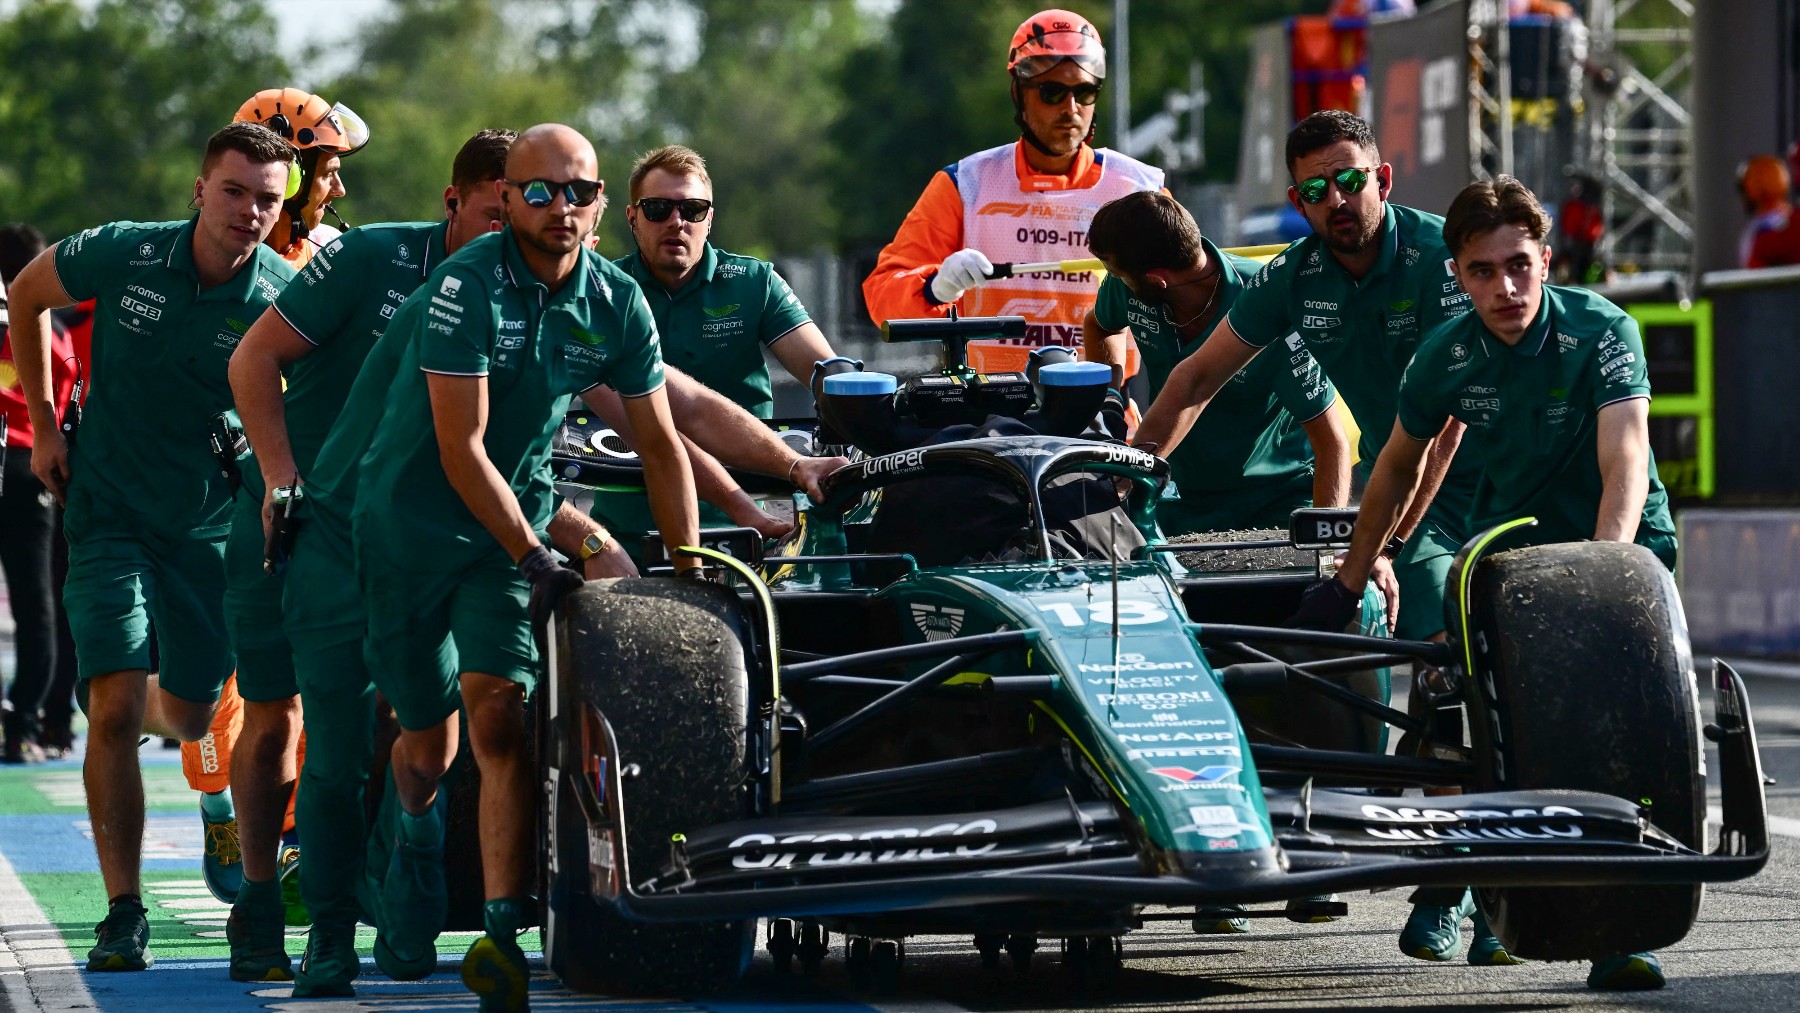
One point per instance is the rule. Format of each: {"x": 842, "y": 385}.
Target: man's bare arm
{"x": 1100, "y": 345}
{"x": 1394, "y": 481}
{"x": 666, "y": 476}
{"x": 459, "y": 407}
{"x": 36, "y": 291}
{"x": 1437, "y": 465}
{"x": 1622, "y": 440}
{"x": 1331, "y": 457}
{"x": 268, "y": 347}
{"x": 799, "y": 349}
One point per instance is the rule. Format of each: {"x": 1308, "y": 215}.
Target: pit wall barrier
{"x": 1739, "y": 574}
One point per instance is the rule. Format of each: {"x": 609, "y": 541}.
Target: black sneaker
{"x": 122, "y": 939}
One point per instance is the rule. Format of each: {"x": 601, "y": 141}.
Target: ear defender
{"x": 293, "y": 181}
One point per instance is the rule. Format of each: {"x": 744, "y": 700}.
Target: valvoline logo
{"x": 1216, "y": 772}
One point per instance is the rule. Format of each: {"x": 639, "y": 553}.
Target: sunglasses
{"x": 1054, "y": 93}
{"x": 540, "y": 192}
{"x": 1349, "y": 181}
{"x": 658, "y": 209}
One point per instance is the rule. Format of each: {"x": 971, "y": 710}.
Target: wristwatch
{"x": 594, "y": 544}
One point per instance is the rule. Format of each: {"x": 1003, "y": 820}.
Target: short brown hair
{"x": 1483, "y": 207}
{"x": 1325, "y": 128}
{"x": 252, "y": 140}
{"x": 673, "y": 158}
{"x": 482, "y": 159}
{"x": 1143, "y": 231}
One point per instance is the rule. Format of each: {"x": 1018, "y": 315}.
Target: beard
{"x": 1350, "y": 244}
{"x": 544, "y": 244}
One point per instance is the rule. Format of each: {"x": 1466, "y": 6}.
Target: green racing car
{"x": 979, "y": 695}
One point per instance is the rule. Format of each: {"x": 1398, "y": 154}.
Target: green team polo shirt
{"x": 1531, "y": 409}
{"x": 1248, "y": 445}
{"x": 1363, "y": 333}
{"x": 484, "y": 314}
{"x": 341, "y": 303}
{"x": 716, "y": 326}
{"x": 142, "y": 460}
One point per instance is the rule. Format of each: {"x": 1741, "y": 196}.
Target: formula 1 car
{"x": 979, "y": 696}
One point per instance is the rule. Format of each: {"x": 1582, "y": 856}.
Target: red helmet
{"x": 1764, "y": 181}
{"x": 1049, "y": 37}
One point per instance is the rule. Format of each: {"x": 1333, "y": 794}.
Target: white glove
{"x": 960, "y": 271}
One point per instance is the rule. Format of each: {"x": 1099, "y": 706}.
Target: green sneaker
{"x": 288, "y": 871}
{"x": 329, "y": 967}
{"x": 222, "y": 863}
{"x": 122, "y": 939}
{"x": 1633, "y": 972}
{"x": 412, "y": 899}
{"x": 495, "y": 967}
{"x": 1486, "y": 950}
{"x": 1434, "y": 932}
{"x": 256, "y": 935}
{"x": 1221, "y": 920}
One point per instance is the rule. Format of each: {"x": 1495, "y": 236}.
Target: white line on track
{"x": 26, "y": 949}
{"x": 1780, "y": 826}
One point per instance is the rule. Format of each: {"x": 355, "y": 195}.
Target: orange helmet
{"x": 1049, "y": 37}
{"x": 1763, "y": 180}
{"x": 306, "y": 120}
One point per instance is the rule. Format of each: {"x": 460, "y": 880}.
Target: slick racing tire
{"x": 662, "y": 662}
{"x": 1583, "y": 680}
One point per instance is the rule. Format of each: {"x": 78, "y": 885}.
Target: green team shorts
{"x": 253, "y": 617}
{"x": 321, "y": 602}
{"x": 426, "y": 628}
{"x": 119, "y": 583}
{"x": 1422, "y": 569}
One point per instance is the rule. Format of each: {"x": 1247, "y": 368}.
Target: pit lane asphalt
{"x": 1741, "y": 955}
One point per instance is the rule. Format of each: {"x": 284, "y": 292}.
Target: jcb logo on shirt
{"x": 1318, "y": 323}
{"x": 141, "y": 308}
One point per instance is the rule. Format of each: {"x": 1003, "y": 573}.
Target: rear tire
{"x": 1584, "y": 681}
{"x": 664, "y": 663}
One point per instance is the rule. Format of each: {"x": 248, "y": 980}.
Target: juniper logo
{"x": 721, "y": 311}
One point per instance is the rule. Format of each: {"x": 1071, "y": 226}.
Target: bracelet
{"x": 792, "y": 468}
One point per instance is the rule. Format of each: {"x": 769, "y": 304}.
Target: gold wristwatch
{"x": 594, "y": 544}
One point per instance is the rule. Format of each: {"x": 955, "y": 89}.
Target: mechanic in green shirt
{"x": 500, "y": 337}
{"x": 1247, "y": 464}
{"x": 716, "y": 313}
{"x": 148, "y": 503}
{"x": 1552, "y": 385}
{"x": 1371, "y": 280}
{"x": 319, "y": 334}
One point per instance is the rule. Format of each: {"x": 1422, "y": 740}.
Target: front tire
{"x": 664, "y": 664}
{"x": 1583, "y": 680}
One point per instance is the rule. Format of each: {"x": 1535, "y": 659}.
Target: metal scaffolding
{"x": 1640, "y": 135}
{"x": 1630, "y": 90}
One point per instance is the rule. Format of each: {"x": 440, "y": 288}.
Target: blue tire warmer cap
{"x": 1074, "y": 374}
{"x": 862, "y": 384}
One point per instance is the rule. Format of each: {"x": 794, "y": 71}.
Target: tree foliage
{"x": 821, "y": 120}
{"x": 105, "y": 110}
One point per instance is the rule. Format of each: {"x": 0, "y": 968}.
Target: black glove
{"x": 1112, "y": 414}
{"x": 1327, "y": 606}
{"x": 693, "y": 573}
{"x": 549, "y": 581}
